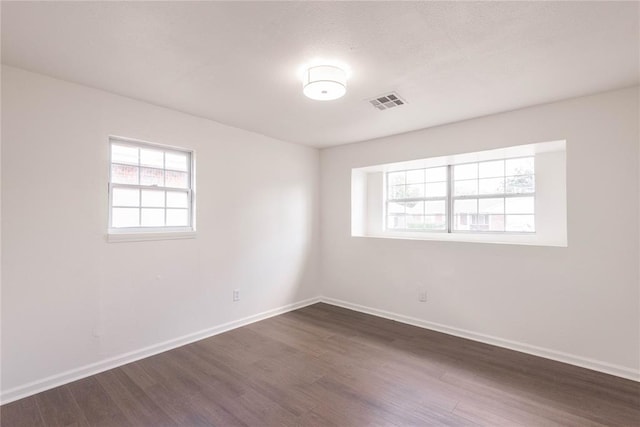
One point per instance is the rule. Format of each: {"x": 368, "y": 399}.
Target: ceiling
{"x": 237, "y": 62}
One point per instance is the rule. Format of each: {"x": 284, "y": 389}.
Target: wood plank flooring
{"x": 327, "y": 366}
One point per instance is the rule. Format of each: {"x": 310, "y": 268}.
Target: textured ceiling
{"x": 237, "y": 62}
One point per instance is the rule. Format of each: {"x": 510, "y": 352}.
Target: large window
{"x": 508, "y": 195}
{"x": 150, "y": 188}
{"x": 488, "y": 196}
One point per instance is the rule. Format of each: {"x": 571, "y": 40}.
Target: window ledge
{"x": 503, "y": 239}
{"x": 149, "y": 236}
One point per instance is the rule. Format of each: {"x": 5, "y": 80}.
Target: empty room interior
{"x": 320, "y": 213}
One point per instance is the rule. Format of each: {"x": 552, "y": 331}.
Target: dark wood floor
{"x": 324, "y": 365}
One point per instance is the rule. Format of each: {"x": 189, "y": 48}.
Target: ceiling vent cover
{"x": 384, "y": 102}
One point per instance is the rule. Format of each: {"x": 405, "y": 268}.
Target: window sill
{"x": 502, "y": 239}
{"x": 149, "y": 236}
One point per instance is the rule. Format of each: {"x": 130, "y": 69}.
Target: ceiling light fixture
{"x": 324, "y": 82}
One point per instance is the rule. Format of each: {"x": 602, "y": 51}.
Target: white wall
{"x": 69, "y": 298}
{"x": 578, "y": 304}
{"x": 71, "y": 301}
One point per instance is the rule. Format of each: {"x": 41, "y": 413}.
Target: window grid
{"x": 178, "y": 181}
{"x": 427, "y": 192}
{"x": 513, "y": 209}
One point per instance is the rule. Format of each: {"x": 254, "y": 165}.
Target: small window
{"x": 150, "y": 188}
{"x": 496, "y": 196}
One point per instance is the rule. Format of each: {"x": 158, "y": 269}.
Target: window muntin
{"x": 150, "y": 188}
{"x": 489, "y": 196}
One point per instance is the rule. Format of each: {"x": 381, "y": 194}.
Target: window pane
{"x": 465, "y": 188}
{"x": 177, "y": 179}
{"x": 520, "y": 205}
{"x": 153, "y": 217}
{"x": 415, "y": 208}
{"x": 397, "y": 192}
{"x": 491, "y": 206}
{"x": 499, "y": 180}
{"x": 126, "y": 197}
{"x": 149, "y": 157}
{"x": 521, "y": 184}
{"x": 177, "y": 217}
{"x": 435, "y": 222}
{"x": 124, "y": 154}
{"x": 177, "y": 161}
{"x": 143, "y": 167}
{"x": 524, "y": 223}
{"x": 436, "y": 174}
{"x": 523, "y": 166}
{"x": 395, "y": 208}
{"x": 472, "y": 222}
{"x": 153, "y": 198}
{"x": 491, "y": 169}
{"x": 415, "y": 222}
{"x": 480, "y": 222}
{"x": 396, "y": 222}
{"x": 462, "y": 222}
{"x": 435, "y": 207}
{"x": 465, "y": 206}
{"x": 436, "y": 189}
{"x": 469, "y": 171}
{"x": 415, "y": 191}
{"x": 121, "y": 174}
{"x": 496, "y": 223}
{"x": 396, "y": 178}
{"x": 491, "y": 186}
{"x": 125, "y": 217}
{"x": 177, "y": 199}
{"x": 415, "y": 176}
{"x": 150, "y": 176}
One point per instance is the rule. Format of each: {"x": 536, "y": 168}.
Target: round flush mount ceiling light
{"x": 324, "y": 82}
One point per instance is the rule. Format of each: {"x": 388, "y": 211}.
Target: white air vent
{"x": 384, "y": 102}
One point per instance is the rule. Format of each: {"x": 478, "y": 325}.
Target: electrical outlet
{"x": 236, "y": 294}
{"x": 422, "y": 296}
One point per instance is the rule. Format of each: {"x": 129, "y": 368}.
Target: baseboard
{"x": 113, "y": 362}
{"x": 595, "y": 365}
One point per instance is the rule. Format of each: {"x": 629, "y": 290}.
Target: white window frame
{"x": 504, "y": 195}
{"x": 369, "y": 187}
{"x": 424, "y": 199}
{"x": 118, "y": 234}
{"x": 450, "y": 199}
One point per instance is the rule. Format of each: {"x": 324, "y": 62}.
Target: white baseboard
{"x": 113, "y": 362}
{"x": 62, "y": 378}
{"x": 595, "y": 365}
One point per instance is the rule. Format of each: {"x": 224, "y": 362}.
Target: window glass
{"x": 153, "y": 198}
{"x": 150, "y": 187}
{"x": 416, "y": 199}
{"x": 126, "y": 197}
{"x": 154, "y": 158}
{"x": 436, "y": 174}
{"x": 415, "y": 176}
{"x": 488, "y": 196}
{"x": 467, "y": 171}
